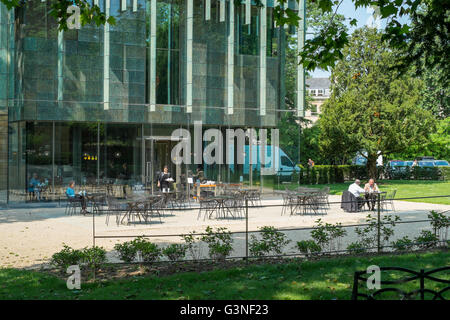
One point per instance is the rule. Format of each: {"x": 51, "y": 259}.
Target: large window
{"x": 168, "y": 52}
{"x": 248, "y": 34}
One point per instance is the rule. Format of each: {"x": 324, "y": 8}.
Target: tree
{"x": 436, "y": 146}
{"x": 435, "y": 93}
{"x": 292, "y": 137}
{"x": 372, "y": 108}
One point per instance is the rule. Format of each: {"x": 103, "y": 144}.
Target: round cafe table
{"x": 222, "y": 210}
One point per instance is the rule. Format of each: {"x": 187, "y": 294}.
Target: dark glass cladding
{"x": 63, "y": 78}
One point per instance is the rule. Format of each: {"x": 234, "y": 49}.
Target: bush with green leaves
{"x": 148, "y": 251}
{"x": 426, "y": 240}
{"x": 403, "y": 244}
{"x": 356, "y": 248}
{"x": 93, "y": 257}
{"x": 126, "y": 251}
{"x": 194, "y": 245}
{"x": 66, "y": 257}
{"x": 271, "y": 242}
{"x": 328, "y": 236}
{"x": 308, "y": 247}
{"x": 368, "y": 235}
{"x": 175, "y": 251}
{"x": 220, "y": 242}
{"x": 440, "y": 224}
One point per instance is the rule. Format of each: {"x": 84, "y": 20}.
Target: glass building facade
{"x": 100, "y": 103}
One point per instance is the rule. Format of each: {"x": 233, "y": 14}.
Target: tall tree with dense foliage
{"x": 436, "y": 93}
{"x": 437, "y": 146}
{"x": 301, "y": 144}
{"x": 372, "y": 107}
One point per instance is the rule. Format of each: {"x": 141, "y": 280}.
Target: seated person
{"x": 33, "y": 187}
{"x": 356, "y": 190}
{"x": 371, "y": 189}
{"x": 70, "y": 192}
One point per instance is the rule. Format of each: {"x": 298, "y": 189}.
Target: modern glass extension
{"x": 100, "y": 103}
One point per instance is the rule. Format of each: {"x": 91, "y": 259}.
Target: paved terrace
{"x": 28, "y": 237}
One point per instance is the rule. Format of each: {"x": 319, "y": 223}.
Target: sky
{"x": 362, "y": 15}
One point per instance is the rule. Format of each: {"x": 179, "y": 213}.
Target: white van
{"x": 283, "y": 165}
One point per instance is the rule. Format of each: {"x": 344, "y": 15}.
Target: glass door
{"x": 158, "y": 151}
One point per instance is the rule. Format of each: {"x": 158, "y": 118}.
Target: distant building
{"x": 319, "y": 90}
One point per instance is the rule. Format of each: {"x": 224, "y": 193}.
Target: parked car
{"x": 426, "y": 164}
{"x": 441, "y": 163}
{"x": 398, "y": 169}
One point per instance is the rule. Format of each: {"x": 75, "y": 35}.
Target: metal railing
{"x": 246, "y": 232}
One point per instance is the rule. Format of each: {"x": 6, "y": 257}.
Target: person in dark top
{"x": 163, "y": 180}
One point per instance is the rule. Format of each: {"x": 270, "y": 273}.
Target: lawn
{"x": 324, "y": 279}
{"x": 405, "y": 189}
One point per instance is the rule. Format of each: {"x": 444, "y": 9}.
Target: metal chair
{"x": 237, "y": 204}
{"x": 72, "y": 205}
{"x": 388, "y": 199}
{"x": 154, "y": 207}
{"x": 113, "y": 208}
{"x": 208, "y": 206}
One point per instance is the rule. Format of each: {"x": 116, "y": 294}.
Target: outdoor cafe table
{"x": 167, "y": 196}
{"x": 305, "y": 200}
{"x": 94, "y": 199}
{"x": 222, "y": 210}
{"x": 138, "y": 206}
{"x": 372, "y": 196}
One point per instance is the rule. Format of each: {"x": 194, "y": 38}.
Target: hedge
{"x": 328, "y": 174}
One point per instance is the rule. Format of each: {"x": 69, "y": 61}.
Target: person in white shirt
{"x": 355, "y": 188}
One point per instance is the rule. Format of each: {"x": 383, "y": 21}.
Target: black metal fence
{"x": 245, "y": 234}
{"x": 361, "y": 279}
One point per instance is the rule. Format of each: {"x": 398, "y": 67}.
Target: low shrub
{"x": 327, "y": 236}
{"x": 356, "y": 248}
{"x": 126, "y": 251}
{"x": 308, "y": 247}
{"x": 440, "y": 224}
{"x": 220, "y": 243}
{"x": 271, "y": 242}
{"x": 148, "y": 251}
{"x": 426, "y": 240}
{"x": 193, "y": 245}
{"x": 403, "y": 244}
{"x": 93, "y": 257}
{"x": 175, "y": 251}
{"x": 66, "y": 257}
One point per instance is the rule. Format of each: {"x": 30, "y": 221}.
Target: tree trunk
{"x": 372, "y": 166}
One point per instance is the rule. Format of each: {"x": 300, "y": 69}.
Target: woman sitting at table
{"x": 70, "y": 192}
{"x": 371, "y": 190}
{"x": 164, "y": 179}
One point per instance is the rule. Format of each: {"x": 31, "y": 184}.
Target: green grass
{"x": 405, "y": 189}
{"x": 323, "y": 279}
